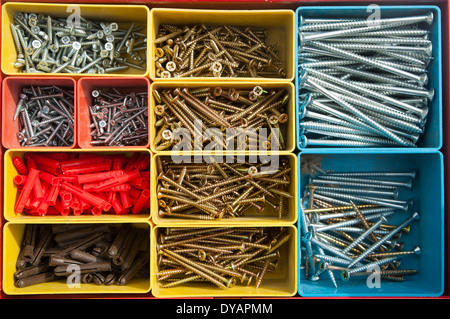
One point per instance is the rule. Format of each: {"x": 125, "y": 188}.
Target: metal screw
{"x": 52, "y": 37}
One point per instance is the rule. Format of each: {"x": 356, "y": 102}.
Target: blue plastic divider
{"x": 427, "y": 194}
{"x": 432, "y": 138}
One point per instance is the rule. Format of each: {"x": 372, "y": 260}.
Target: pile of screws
{"x": 221, "y": 256}
{"x": 214, "y": 190}
{"x": 345, "y": 227}
{"x": 119, "y": 118}
{"x": 102, "y": 254}
{"x": 243, "y": 119}
{"x": 364, "y": 83}
{"x": 64, "y": 184}
{"x": 46, "y": 116}
{"x": 46, "y": 44}
{"x": 210, "y": 51}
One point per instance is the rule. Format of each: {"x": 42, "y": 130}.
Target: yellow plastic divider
{"x": 268, "y": 217}
{"x": 287, "y": 130}
{"x": 124, "y": 15}
{"x": 279, "y": 25}
{"x": 11, "y": 192}
{"x": 12, "y": 239}
{"x": 280, "y": 283}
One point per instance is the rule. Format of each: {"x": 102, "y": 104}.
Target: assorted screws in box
{"x": 46, "y": 116}
{"x": 221, "y": 118}
{"x": 346, "y": 229}
{"x": 364, "y": 83}
{"x": 216, "y": 190}
{"x": 119, "y": 118}
{"x": 61, "y": 183}
{"x": 215, "y": 51}
{"x": 101, "y": 254}
{"x": 224, "y": 257}
{"x": 47, "y": 44}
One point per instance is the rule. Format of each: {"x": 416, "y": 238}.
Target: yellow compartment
{"x": 12, "y": 240}
{"x": 287, "y": 130}
{"x": 267, "y": 218}
{"x": 124, "y": 15}
{"x": 281, "y": 283}
{"x": 11, "y": 193}
{"x": 279, "y": 24}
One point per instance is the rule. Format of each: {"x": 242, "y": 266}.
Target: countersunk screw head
{"x": 109, "y": 46}
{"x": 36, "y": 44}
{"x": 28, "y": 51}
{"x": 167, "y": 135}
{"x": 113, "y": 26}
{"x": 252, "y": 170}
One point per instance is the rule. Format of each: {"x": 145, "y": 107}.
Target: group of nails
{"x": 75, "y": 184}
{"x": 47, "y": 44}
{"x": 239, "y": 118}
{"x": 345, "y": 227}
{"x": 215, "y": 190}
{"x": 215, "y": 51}
{"x": 101, "y": 254}
{"x": 364, "y": 83}
{"x": 223, "y": 257}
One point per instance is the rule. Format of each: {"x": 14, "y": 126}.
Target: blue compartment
{"x": 432, "y": 138}
{"x": 428, "y": 232}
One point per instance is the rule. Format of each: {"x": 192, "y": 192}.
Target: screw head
{"x": 36, "y": 44}
{"x": 171, "y": 66}
{"x": 113, "y": 26}
{"x": 109, "y": 46}
{"x": 104, "y": 53}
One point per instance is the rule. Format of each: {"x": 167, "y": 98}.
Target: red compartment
{"x": 84, "y": 100}
{"x": 11, "y": 90}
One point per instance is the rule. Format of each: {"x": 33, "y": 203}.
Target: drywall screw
{"x": 330, "y": 178}
{"x": 364, "y": 235}
{"x": 411, "y": 174}
{"x": 393, "y": 193}
{"x": 322, "y": 228}
{"x": 416, "y": 251}
{"x": 415, "y": 216}
{"x": 352, "y": 24}
{"x": 362, "y": 90}
{"x": 348, "y": 68}
{"x": 370, "y": 200}
{"x": 330, "y": 231}
{"x": 420, "y": 79}
{"x": 347, "y": 273}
